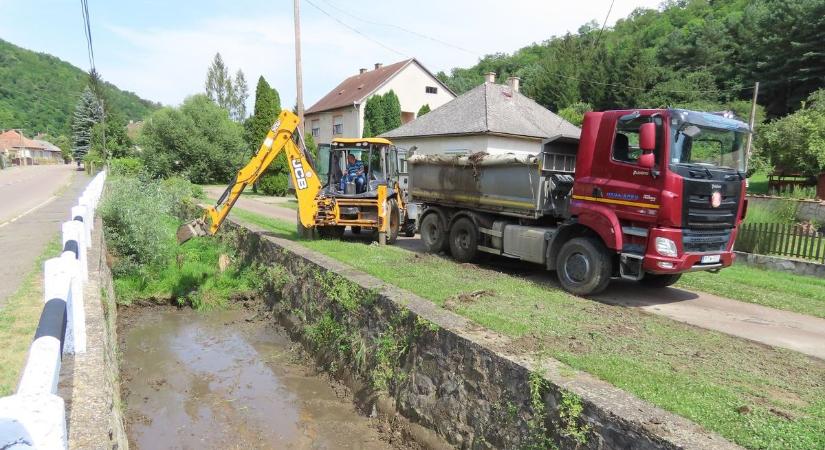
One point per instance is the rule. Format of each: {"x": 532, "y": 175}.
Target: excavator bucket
{"x": 191, "y": 229}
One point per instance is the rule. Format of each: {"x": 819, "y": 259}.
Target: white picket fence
{"x": 35, "y": 416}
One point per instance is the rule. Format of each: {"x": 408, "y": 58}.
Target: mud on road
{"x": 231, "y": 379}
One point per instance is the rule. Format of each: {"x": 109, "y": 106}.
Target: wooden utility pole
{"x": 751, "y": 120}
{"x": 299, "y": 82}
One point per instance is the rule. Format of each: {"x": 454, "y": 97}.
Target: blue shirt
{"x": 355, "y": 168}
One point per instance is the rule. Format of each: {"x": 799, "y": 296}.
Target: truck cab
{"x": 662, "y": 188}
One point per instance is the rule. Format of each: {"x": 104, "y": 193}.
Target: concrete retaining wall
{"x": 444, "y": 372}
{"x": 90, "y": 382}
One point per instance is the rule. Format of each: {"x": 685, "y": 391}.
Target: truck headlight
{"x": 666, "y": 247}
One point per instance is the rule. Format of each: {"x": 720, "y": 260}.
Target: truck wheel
{"x": 356, "y": 230}
{"x": 583, "y": 266}
{"x": 433, "y": 233}
{"x": 409, "y": 227}
{"x": 395, "y": 221}
{"x": 660, "y": 281}
{"x": 463, "y": 240}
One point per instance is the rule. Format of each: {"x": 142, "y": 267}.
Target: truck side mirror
{"x": 647, "y": 136}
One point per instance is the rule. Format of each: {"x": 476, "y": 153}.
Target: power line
{"x": 398, "y": 27}
{"x": 87, "y": 29}
{"x": 604, "y": 24}
{"x": 354, "y": 30}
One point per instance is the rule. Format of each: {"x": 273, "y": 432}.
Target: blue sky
{"x": 161, "y": 49}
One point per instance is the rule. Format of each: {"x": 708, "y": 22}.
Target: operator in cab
{"x": 355, "y": 173}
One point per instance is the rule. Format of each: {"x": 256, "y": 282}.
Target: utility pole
{"x": 751, "y": 120}
{"x": 299, "y": 82}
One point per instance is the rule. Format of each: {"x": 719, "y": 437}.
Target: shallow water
{"x": 215, "y": 380}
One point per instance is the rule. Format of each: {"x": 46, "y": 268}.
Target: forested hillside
{"x": 699, "y": 53}
{"x": 38, "y": 92}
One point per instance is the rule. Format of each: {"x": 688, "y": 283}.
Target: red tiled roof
{"x": 13, "y": 139}
{"x": 356, "y": 87}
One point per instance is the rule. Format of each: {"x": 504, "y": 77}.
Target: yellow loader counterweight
{"x": 283, "y": 136}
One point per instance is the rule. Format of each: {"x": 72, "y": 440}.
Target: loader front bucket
{"x": 191, "y": 229}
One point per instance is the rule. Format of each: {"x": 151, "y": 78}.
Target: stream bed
{"x": 227, "y": 379}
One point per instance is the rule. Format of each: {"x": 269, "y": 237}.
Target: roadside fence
{"x": 35, "y": 416}
{"x": 797, "y": 241}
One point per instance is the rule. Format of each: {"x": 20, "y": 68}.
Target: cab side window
{"x": 626, "y": 145}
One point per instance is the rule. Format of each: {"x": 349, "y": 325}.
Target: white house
{"x": 491, "y": 118}
{"x": 340, "y": 113}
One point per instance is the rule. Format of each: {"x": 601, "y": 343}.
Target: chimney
{"x": 490, "y": 77}
{"x": 378, "y": 65}
{"x": 362, "y": 70}
{"x": 513, "y": 82}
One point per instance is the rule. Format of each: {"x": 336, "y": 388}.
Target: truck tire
{"x": 433, "y": 233}
{"x": 660, "y": 281}
{"x": 395, "y": 221}
{"x": 356, "y": 230}
{"x": 584, "y": 266}
{"x": 463, "y": 240}
{"x": 409, "y": 227}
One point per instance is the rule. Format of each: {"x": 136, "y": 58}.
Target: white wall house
{"x": 340, "y": 113}
{"x": 491, "y": 118}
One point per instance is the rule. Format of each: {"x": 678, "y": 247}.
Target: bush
{"x": 140, "y": 217}
{"x": 128, "y": 167}
{"x": 274, "y": 184}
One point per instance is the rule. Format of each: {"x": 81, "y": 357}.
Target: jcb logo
{"x": 300, "y": 174}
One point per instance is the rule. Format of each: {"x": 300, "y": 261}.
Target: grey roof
{"x": 488, "y": 108}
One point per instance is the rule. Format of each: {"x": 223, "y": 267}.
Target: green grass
{"x": 805, "y": 295}
{"x": 190, "y": 275}
{"x": 18, "y": 321}
{"x": 756, "y": 396}
{"x": 758, "y": 183}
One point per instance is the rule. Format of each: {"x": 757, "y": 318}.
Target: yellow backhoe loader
{"x": 360, "y": 190}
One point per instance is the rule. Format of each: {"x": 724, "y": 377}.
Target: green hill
{"x": 703, "y": 53}
{"x": 38, "y": 92}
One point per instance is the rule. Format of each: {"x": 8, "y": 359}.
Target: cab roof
{"x": 372, "y": 140}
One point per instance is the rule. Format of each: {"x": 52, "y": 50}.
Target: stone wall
{"x": 779, "y": 264}
{"x": 444, "y": 372}
{"x": 90, "y": 382}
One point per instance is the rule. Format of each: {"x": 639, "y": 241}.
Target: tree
{"x": 219, "y": 87}
{"x": 425, "y": 108}
{"x": 374, "y": 116}
{"x": 267, "y": 108}
{"x": 392, "y": 112}
{"x": 197, "y": 141}
{"x": 797, "y": 142}
{"x": 87, "y": 114}
{"x": 240, "y": 93}
{"x": 575, "y": 112}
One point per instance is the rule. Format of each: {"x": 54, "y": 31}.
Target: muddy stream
{"x": 228, "y": 380}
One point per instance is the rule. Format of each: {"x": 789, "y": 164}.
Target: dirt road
{"x": 798, "y": 332}
{"x": 34, "y": 201}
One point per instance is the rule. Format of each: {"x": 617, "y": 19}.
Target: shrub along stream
{"x": 140, "y": 217}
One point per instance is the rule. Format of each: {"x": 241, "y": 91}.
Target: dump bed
{"x": 507, "y": 184}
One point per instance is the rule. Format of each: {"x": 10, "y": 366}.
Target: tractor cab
{"x": 356, "y": 167}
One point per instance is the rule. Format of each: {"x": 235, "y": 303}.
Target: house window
{"x": 338, "y": 125}
{"x": 316, "y": 128}
{"x": 431, "y": 90}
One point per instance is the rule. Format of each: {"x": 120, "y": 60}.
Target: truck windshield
{"x": 694, "y": 144}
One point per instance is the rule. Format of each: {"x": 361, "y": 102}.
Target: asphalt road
{"x": 34, "y": 201}
{"x": 778, "y": 328}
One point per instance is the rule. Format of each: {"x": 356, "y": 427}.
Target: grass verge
{"x": 18, "y": 321}
{"x": 801, "y": 294}
{"x": 756, "y": 396}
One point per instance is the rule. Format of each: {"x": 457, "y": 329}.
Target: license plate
{"x": 709, "y": 259}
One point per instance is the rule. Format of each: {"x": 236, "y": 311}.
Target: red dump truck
{"x": 645, "y": 195}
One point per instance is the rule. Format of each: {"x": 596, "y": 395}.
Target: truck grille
{"x": 700, "y": 241}
{"x": 698, "y": 212}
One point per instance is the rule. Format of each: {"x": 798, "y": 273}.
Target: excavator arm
{"x": 283, "y": 136}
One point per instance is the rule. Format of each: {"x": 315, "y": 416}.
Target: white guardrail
{"x": 35, "y": 416}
